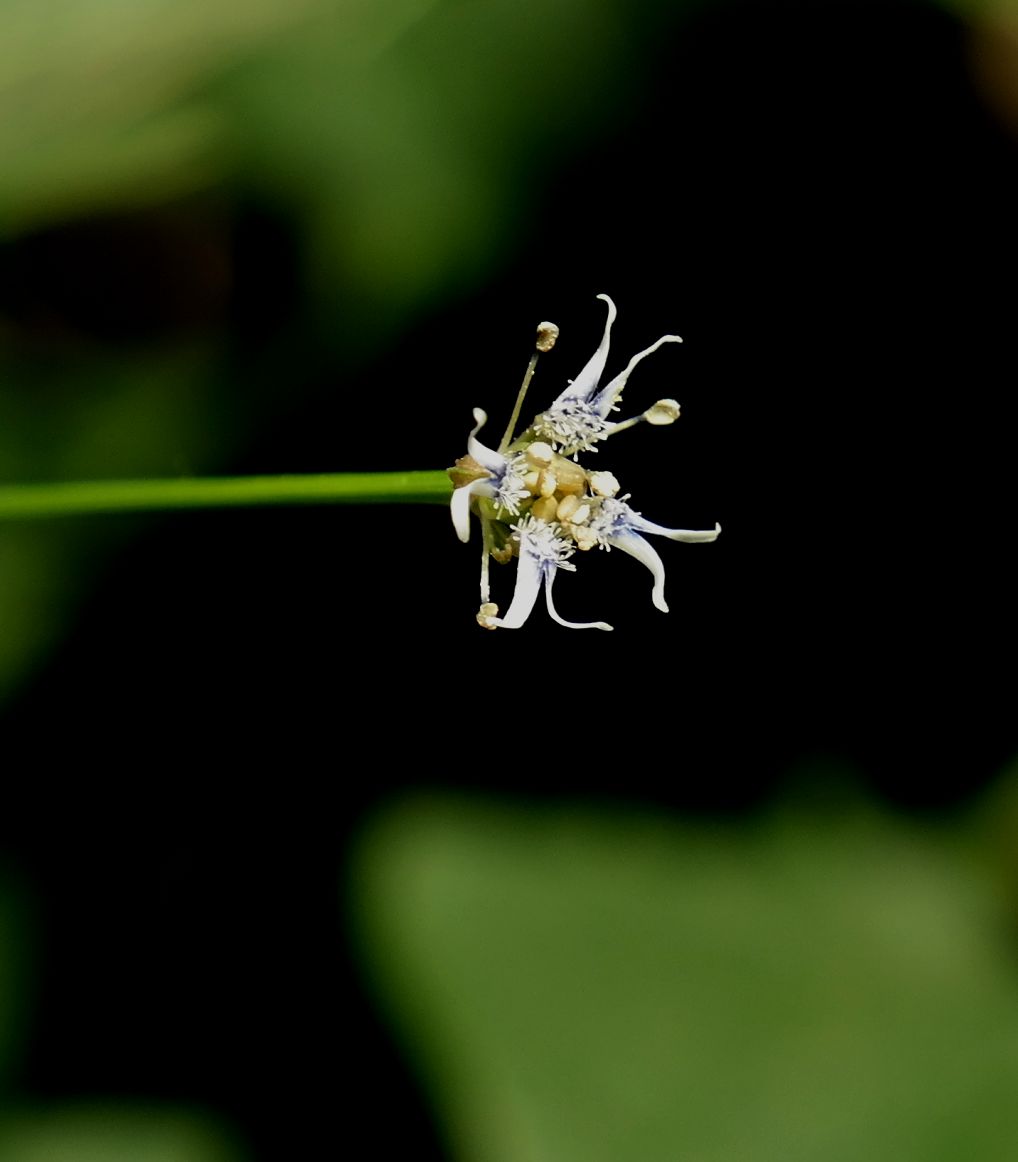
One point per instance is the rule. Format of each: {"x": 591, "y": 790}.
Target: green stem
{"x": 33, "y": 501}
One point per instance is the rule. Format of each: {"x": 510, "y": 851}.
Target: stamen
{"x": 547, "y": 333}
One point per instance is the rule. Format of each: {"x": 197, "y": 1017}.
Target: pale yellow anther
{"x": 547, "y": 333}
{"x": 665, "y": 411}
{"x": 545, "y": 508}
{"x": 532, "y": 482}
{"x": 567, "y": 506}
{"x": 571, "y": 477}
{"x": 604, "y": 484}
{"x": 486, "y": 615}
{"x": 584, "y": 538}
{"x": 539, "y": 454}
{"x": 581, "y": 514}
{"x": 548, "y": 483}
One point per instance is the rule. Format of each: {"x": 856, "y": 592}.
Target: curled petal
{"x": 690, "y": 536}
{"x": 605, "y": 399}
{"x": 585, "y": 384}
{"x": 485, "y": 456}
{"x": 633, "y": 544}
{"x": 549, "y": 579}
{"x": 528, "y": 582}
{"x": 459, "y": 506}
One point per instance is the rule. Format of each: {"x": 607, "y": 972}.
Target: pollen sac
{"x": 547, "y": 333}
{"x": 486, "y": 615}
{"x": 665, "y": 411}
{"x": 604, "y": 484}
{"x": 570, "y": 477}
{"x": 539, "y": 454}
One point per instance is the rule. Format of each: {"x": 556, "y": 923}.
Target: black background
{"x": 817, "y": 200}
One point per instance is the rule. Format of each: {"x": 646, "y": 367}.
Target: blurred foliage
{"x": 102, "y": 1132}
{"x": 575, "y": 984}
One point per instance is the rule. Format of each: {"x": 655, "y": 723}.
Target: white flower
{"x": 560, "y": 505}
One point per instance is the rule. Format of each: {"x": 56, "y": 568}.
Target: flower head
{"x": 537, "y": 503}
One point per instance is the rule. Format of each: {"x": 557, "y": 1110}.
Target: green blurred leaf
{"x": 101, "y": 1132}
{"x": 582, "y": 986}
{"x": 100, "y": 100}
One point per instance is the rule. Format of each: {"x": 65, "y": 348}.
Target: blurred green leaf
{"x": 102, "y": 1132}
{"x": 578, "y": 985}
{"x": 100, "y": 99}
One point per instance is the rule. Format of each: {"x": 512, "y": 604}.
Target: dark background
{"x": 818, "y": 199}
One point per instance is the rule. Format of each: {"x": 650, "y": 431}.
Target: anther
{"x": 604, "y": 484}
{"x": 547, "y": 333}
{"x": 539, "y": 454}
{"x": 545, "y": 508}
{"x": 486, "y": 615}
{"x": 566, "y": 507}
{"x": 665, "y": 411}
{"x": 548, "y": 482}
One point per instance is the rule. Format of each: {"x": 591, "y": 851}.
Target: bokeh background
{"x": 295, "y": 861}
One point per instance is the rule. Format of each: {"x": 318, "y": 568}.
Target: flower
{"x": 537, "y": 503}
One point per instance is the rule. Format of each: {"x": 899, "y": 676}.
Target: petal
{"x": 549, "y": 580}
{"x": 485, "y": 456}
{"x": 606, "y": 398}
{"x": 633, "y": 544}
{"x": 691, "y": 536}
{"x": 528, "y": 582}
{"x": 585, "y": 384}
{"x": 459, "y": 506}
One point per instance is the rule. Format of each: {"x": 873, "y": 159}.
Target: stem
{"x": 507, "y": 439}
{"x": 34, "y": 501}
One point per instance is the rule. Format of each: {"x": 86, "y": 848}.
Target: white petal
{"x": 585, "y": 384}
{"x": 485, "y": 456}
{"x": 528, "y": 582}
{"x": 606, "y": 398}
{"x": 633, "y": 544}
{"x": 459, "y": 506}
{"x": 549, "y": 579}
{"x": 690, "y": 536}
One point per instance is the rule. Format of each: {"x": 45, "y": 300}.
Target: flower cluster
{"x": 537, "y": 503}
